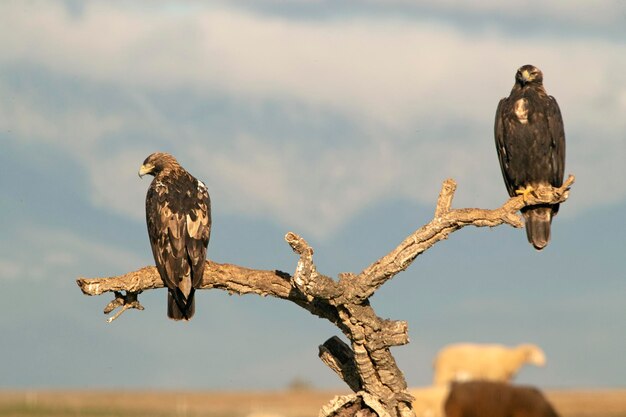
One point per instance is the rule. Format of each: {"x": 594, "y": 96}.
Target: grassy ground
{"x": 162, "y": 404}
{"x": 570, "y": 403}
{"x": 589, "y": 403}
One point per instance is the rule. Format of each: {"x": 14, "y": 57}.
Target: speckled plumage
{"x": 178, "y": 215}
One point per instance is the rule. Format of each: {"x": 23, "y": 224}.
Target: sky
{"x": 334, "y": 120}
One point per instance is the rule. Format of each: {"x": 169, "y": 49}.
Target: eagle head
{"x": 528, "y": 74}
{"x": 156, "y": 163}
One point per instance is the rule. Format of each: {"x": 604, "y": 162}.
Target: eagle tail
{"x": 538, "y": 220}
{"x": 179, "y": 308}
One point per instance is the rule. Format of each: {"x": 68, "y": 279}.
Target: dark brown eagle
{"x": 530, "y": 141}
{"x": 178, "y": 213}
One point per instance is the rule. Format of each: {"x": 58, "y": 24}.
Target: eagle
{"x": 178, "y": 215}
{"x": 530, "y": 141}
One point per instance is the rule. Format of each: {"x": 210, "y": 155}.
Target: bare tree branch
{"x": 367, "y": 366}
{"x": 446, "y": 221}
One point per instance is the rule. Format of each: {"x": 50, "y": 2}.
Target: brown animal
{"x": 496, "y": 399}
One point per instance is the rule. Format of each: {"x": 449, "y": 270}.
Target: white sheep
{"x": 466, "y": 361}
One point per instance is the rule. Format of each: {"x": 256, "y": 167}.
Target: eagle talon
{"x": 526, "y": 191}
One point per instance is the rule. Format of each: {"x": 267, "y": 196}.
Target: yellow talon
{"x": 525, "y": 191}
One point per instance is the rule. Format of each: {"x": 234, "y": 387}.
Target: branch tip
{"x": 450, "y": 184}
{"x": 298, "y": 244}
{"x": 444, "y": 202}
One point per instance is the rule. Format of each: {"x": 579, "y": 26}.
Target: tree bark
{"x": 366, "y": 365}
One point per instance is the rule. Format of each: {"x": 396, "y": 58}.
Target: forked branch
{"x": 366, "y": 365}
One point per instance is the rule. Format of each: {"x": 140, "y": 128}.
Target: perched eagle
{"x": 178, "y": 213}
{"x": 530, "y": 141}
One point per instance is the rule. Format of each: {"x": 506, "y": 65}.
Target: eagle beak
{"x": 145, "y": 169}
{"x": 525, "y": 76}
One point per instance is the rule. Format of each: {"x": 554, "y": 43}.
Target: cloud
{"x": 57, "y": 254}
{"x": 577, "y": 12}
{"x": 419, "y": 100}
{"x": 531, "y": 18}
{"x": 381, "y": 68}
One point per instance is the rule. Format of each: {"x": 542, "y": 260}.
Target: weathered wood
{"x": 340, "y": 358}
{"x": 360, "y": 404}
{"x": 367, "y": 366}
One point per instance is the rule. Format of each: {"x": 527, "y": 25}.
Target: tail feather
{"x": 179, "y": 308}
{"x": 538, "y": 220}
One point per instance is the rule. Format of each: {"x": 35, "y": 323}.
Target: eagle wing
{"x": 198, "y": 232}
{"x": 557, "y": 133}
{"x": 164, "y": 229}
{"x": 500, "y": 133}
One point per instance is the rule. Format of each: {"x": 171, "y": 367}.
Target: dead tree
{"x": 367, "y": 365}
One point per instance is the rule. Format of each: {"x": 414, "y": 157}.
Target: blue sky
{"x": 337, "y": 122}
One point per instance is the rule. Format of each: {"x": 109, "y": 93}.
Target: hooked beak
{"x": 525, "y": 77}
{"x": 145, "y": 169}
